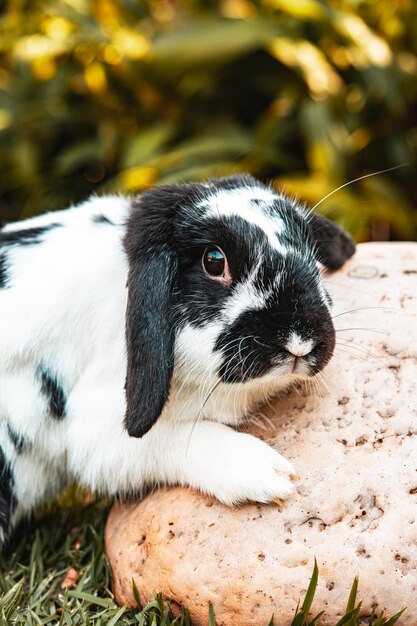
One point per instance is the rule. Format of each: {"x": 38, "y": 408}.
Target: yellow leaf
{"x": 237, "y": 9}
{"x": 138, "y": 177}
{"x": 95, "y": 77}
{"x": 307, "y": 9}
{"x": 6, "y": 119}
{"x": 408, "y": 62}
{"x": 131, "y": 44}
{"x": 37, "y": 47}
{"x": 360, "y": 138}
{"x": 82, "y": 6}
{"x": 57, "y": 27}
{"x": 317, "y": 71}
{"x": 85, "y": 53}
{"x": 112, "y": 54}
{"x": 373, "y": 47}
{"x": 44, "y": 69}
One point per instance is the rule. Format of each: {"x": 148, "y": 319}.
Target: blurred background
{"x": 118, "y": 95}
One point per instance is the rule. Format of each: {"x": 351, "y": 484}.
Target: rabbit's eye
{"x": 215, "y": 265}
{"x": 214, "y": 262}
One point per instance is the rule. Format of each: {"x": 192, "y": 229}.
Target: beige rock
{"x": 353, "y": 439}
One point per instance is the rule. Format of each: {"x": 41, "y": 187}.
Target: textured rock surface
{"x": 353, "y": 440}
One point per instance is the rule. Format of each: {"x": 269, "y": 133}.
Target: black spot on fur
{"x": 7, "y": 496}
{"x": 54, "y": 394}
{"x": 17, "y": 440}
{"x": 24, "y": 237}
{"x": 102, "y": 219}
{"x": 3, "y": 271}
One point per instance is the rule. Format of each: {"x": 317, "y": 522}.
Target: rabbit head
{"x": 224, "y": 285}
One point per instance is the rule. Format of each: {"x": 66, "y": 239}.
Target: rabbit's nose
{"x": 297, "y": 346}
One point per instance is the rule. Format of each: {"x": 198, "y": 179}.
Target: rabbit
{"x": 135, "y": 333}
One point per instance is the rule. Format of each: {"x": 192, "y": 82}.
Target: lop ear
{"x": 150, "y": 340}
{"x": 334, "y": 245}
{"x": 151, "y": 244}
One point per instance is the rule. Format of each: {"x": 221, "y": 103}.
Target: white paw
{"x": 252, "y": 471}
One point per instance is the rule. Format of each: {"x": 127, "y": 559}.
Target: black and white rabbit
{"x": 134, "y": 330}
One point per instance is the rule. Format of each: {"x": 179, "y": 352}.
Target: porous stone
{"x": 352, "y": 436}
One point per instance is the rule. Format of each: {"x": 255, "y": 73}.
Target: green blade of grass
{"x": 350, "y": 618}
{"x": 136, "y": 595}
{"x": 116, "y": 617}
{"x": 88, "y": 597}
{"x": 142, "y": 620}
{"x": 352, "y": 596}
{"x": 11, "y": 600}
{"x": 316, "y": 619}
{"x": 152, "y": 605}
{"x": 394, "y": 618}
{"x": 187, "y": 619}
{"x": 311, "y": 590}
{"x": 212, "y": 621}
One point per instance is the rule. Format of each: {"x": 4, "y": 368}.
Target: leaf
{"x": 153, "y": 604}
{"x": 311, "y": 590}
{"x": 146, "y": 145}
{"x": 352, "y": 596}
{"x": 316, "y": 619}
{"x": 116, "y": 617}
{"x": 136, "y": 595}
{"x": 137, "y": 178}
{"x": 90, "y": 598}
{"x": 317, "y": 72}
{"x": 73, "y": 157}
{"x": 187, "y": 619}
{"x": 350, "y": 618}
{"x": 302, "y": 9}
{"x": 11, "y": 600}
{"x": 394, "y": 618}
{"x": 212, "y": 621}
{"x": 209, "y": 40}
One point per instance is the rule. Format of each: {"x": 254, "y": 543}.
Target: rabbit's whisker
{"x": 371, "y": 330}
{"x": 366, "y": 308}
{"x": 355, "y": 180}
{"x": 349, "y": 350}
{"x": 199, "y": 414}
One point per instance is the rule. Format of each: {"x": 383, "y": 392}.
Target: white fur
{"x": 298, "y": 346}
{"x": 247, "y": 297}
{"x": 237, "y": 202}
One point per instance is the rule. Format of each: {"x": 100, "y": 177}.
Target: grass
{"x": 34, "y": 566}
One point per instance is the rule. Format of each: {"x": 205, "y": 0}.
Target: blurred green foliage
{"x": 111, "y": 95}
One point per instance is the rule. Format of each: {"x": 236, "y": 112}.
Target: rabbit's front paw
{"x": 253, "y": 472}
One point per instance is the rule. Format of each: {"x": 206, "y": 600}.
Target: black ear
{"x": 152, "y": 278}
{"x": 334, "y": 245}
{"x": 151, "y": 244}
{"x": 150, "y": 340}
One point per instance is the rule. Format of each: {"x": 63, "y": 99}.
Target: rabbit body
{"x": 81, "y": 332}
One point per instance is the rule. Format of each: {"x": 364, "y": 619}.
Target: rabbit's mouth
{"x": 291, "y": 368}
{"x": 291, "y": 358}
